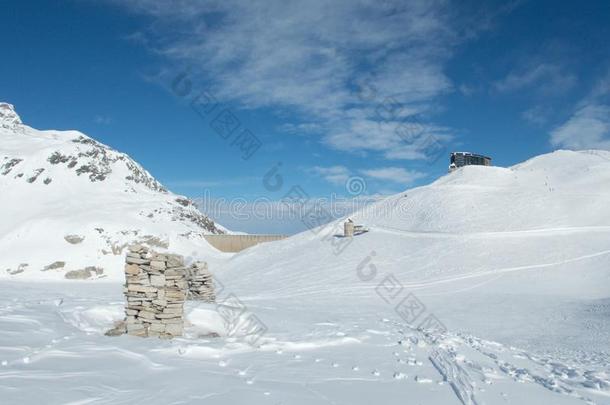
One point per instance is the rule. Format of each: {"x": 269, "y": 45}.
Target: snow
{"x": 61, "y": 183}
{"x": 506, "y": 272}
{"x": 53, "y": 351}
{"x": 8, "y": 116}
{"x": 204, "y": 321}
{"x": 514, "y": 255}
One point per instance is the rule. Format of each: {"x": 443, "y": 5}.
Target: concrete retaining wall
{"x": 236, "y": 243}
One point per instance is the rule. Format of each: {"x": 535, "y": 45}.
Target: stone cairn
{"x": 156, "y": 287}
{"x": 200, "y": 283}
{"x": 156, "y": 290}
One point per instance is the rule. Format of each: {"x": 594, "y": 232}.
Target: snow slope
{"x": 549, "y": 213}
{"x": 71, "y": 203}
{"x": 517, "y": 255}
{"x": 513, "y": 264}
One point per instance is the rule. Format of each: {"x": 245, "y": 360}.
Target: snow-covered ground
{"x": 489, "y": 286}
{"x": 52, "y": 351}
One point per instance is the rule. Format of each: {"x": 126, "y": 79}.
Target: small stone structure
{"x": 156, "y": 287}
{"x": 348, "y": 228}
{"x": 200, "y": 283}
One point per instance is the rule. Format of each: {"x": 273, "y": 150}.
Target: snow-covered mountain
{"x": 489, "y": 286}
{"x": 513, "y": 263}
{"x": 70, "y": 205}
{"x": 548, "y": 213}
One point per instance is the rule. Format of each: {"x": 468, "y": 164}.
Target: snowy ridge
{"x": 514, "y": 262}
{"x": 466, "y": 226}
{"x": 9, "y": 118}
{"x": 75, "y": 204}
{"x": 557, "y": 190}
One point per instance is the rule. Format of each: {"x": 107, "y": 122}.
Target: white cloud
{"x": 545, "y": 78}
{"x": 394, "y": 174}
{"x": 589, "y": 125}
{"x": 337, "y": 175}
{"x": 588, "y": 128}
{"x": 601, "y": 90}
{"x": 303, "y": 128}
{"x": 409, "y": 139}
{"x": 309, "y": 56}
{"x": 467, "y": 89}
{"x": 537, "y": 115}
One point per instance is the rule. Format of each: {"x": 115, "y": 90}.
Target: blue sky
{"x": 324, "y": 86}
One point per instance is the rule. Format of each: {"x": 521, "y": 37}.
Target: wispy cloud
{"x": 589, "y": 125}
{"x": 308, "y": 57}
{"x": 303, "y": 128}
{"x": 588, "y": 128}
{"x": 537, "y": 115}
{"x": 337, "y": 175}
{"x": 362, "y": 134}
{"x": 544, "y": 77}
{"x": 394, "y": 174}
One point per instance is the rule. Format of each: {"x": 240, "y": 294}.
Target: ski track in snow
{"x": 505, "y": 270}
{"x": 459, "y": 235}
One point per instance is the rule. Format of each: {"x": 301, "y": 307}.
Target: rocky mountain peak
{"x": 8, "y": 116}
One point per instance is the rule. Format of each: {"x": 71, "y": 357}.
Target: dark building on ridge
{"x": 459, "y": 159}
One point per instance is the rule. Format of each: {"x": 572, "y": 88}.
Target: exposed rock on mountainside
{"x": 76, "y": 201}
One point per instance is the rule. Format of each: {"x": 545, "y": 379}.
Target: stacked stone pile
{"x": 156, "y": 288}
{"x": 200, "y": 283}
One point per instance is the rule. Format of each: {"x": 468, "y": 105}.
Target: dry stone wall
{"x": 156, "y": 288}
{"x": 200, "y": 283}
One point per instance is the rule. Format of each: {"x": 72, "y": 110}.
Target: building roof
{"x": 470, "y": 154}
